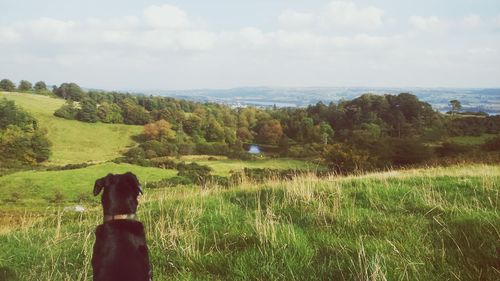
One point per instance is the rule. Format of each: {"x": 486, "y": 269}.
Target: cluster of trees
{"x": 25, "y": 86}
{"x": 473, "y": 125}
{"x": 22, "y": 142}
{"x": 371, "y": 131}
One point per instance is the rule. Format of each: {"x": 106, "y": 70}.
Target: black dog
{"x": 120, "y": 250}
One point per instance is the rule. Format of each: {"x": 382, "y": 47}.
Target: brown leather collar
{"x": 119, "y": 217}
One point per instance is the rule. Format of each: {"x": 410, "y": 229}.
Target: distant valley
{"x": 487, "y": 100}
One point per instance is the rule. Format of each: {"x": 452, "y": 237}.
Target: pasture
{"x": 421, "y": 224}
{"x": 74, "y": 141}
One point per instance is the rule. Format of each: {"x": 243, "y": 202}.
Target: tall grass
{"x": 424, "y": 224}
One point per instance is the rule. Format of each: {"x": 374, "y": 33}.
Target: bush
{"x": 409, "y": 151}
{"x": 58, "y": 197}
{"x": 452, "y": 149}
{"x": 169, "y": 182}
{"x": 492, "y": 144}
{"x": 15, "y": 196}
{"x": 343, "y": 158}
{"x": 195, "y": 172}
{"x": 163, "y": 162}
{"x": 67, "y": 111}
{"x": 83, "y": 197}
{"x": 69, "y": 167}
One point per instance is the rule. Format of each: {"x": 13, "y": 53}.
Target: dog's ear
{"x": 136, "y": 181}
{"x": 101, "y": 183}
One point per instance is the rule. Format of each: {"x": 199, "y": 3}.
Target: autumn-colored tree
{"x": 159, "y": 130}
{"x": 271, "y": 132}
{"x": 244, "y": 134}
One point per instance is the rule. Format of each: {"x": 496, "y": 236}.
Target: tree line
{"x": 368, "y": 132}
{"x": 25, "y": 86}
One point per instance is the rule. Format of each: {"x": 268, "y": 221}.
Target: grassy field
{"x": 222, "y": 166}
{"x": 424, "y": 224}
{"x": 471, "y": 140}
{"x": 40, "y": 186}
{"x": 73, "y": 141}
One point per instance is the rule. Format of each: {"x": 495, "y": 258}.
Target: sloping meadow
{"x": 425, "y": 224}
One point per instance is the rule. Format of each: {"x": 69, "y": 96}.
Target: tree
{"x": 40, "y": 86}
{"x": 10, "y": 114}
{"x": 88, "y": 111}
{"x": 21, "y": 140}
{"x": 7, "y": 85}
{"x": 271, "y": 132}
{"x": 24, "y": 86}
{"x": 160, "y": 130}
{"x": 69, "y": 91}
{"x": 133, "y": 113}
{"x": 109, "y": 113}
{"x": 213, "y": 130}
{"x": 343, "y": 158}
{"x": 67, "y": 111}
{"x": 244, "y": 134}
{"x": 456, "y": 105}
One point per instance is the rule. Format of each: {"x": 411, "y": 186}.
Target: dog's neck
{"x": 119, "y": 217}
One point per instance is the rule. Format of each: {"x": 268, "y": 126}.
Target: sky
{"x": 175, "y": 45}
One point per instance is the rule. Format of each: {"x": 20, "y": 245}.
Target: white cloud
{"x": 347, "y": 13}
{"x": 292, "y": 19}
{"x": 254, "y": 36}
{"x": 166, "y": 16}
{"x": 472, "y": 21}
{"x": 339, "y": 42}
{"x": 429, "y": 24}
{"x": 9, "y": 35}
{"x": 496, "y": 22}
{"x": 51, "y": 28}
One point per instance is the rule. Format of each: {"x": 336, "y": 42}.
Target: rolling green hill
{"x": 73, "y": 141}
{"x": 423, "y": 224}
{"x": 40, "y": 186}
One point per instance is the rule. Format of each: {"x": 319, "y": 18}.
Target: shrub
{"x": 343, "y": 158}
{"x": 163, "y": 162}
{"x": 69, "y": 167}
{"x": 195, "y": 172}
{"x": 83, "y": 197}
{"x": 409, "y": 151}
{"x": 492, "y": 144}
{"x": 15, "y": 196}
{"x": 169, "y": 182}
{"x": 452, "y": 149}
{"x": 58, "y": 197}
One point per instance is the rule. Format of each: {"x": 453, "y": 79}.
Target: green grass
{"x": 423, "y": 224}
{"x": 73, "y": 141}
{"x": 223, "y": 166}
{"x": 39, "y": 186}
{"x": 471, "y": 140}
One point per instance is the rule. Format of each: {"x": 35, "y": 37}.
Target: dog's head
{"x": 119, "y": 193}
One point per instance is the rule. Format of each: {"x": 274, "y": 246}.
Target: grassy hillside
{"x": 38, "y": 186}
{"x": 73, "y": 141}
{"x": 425, "y": 224}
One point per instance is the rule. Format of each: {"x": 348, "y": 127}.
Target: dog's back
{"x": 120, "y": 252}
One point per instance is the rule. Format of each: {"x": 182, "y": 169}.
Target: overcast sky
{"x": 144, "y": 45}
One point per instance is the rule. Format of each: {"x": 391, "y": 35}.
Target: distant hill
{"x": 74, "y": 141}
